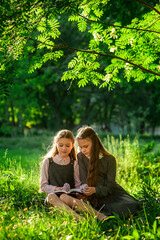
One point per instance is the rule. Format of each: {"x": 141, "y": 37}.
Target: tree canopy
{"x": 119, "y": 45}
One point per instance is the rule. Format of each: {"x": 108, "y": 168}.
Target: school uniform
{"x": 111, "y": 197}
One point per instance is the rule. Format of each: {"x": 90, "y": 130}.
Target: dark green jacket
{"x": 106, "y": 183}
{"x": 110, "y": 196}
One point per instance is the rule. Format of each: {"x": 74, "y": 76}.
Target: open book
{"x": 71, "y": 191}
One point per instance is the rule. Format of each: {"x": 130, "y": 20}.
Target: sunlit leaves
{"x": 44, "y": 58}
{"x": 37, "y": 22}
{"x": 42, "y": 25}
{"x": 49, "y": 31}
{"x": 138, "y": 47}
{"x": 54, "y": 25}
{"x": 84, "y": 68}
{"x": 82, "y": 25}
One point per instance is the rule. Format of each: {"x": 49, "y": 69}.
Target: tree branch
{"x": 33, "y": 30}
{"x": 108, "y": 24}
{"x": 111, "y": 56}
{"x": 100, "y": 54}
{"x": 148, "y": 5}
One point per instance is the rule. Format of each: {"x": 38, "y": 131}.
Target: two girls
{"x": 95, "y": 172}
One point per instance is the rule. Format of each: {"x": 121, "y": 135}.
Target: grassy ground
{"x": 23, "y": 215}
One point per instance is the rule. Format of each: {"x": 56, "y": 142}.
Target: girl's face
{"x": 85, "y": 146}
{"x": 64, "y": 147}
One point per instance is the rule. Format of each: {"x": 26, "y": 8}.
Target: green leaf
{"x": 136, "y": 234}
{"x": 128, "y": 237}
{"x": 155, "y": 227}
{"x": 11, "y": 187}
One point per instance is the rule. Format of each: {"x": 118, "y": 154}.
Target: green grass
{"x": 23, "y": 216}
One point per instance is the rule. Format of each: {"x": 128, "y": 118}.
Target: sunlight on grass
{"x": 24, "y": 216}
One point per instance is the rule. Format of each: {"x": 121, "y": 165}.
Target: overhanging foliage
{"x": 115, "y": 50}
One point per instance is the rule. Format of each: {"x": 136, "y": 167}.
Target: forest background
{"x": 49, "y": 80}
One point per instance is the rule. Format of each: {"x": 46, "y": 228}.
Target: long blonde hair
{"x": 64, "y": 133}
{"x": 97, "y": 148}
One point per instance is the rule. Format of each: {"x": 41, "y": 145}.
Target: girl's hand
{"x": 58, "y": 188}
{"x": 89, "y": 191}
{"x": 80, "y": 196}
{"x": 66, "y": 187}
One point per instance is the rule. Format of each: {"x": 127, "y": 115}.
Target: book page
{"x": 72, "y": 190}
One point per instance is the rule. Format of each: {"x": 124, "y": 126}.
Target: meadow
{"x": 24, "y": 216}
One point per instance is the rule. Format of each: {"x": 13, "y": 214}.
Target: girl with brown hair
{"x": 97, "y": 168}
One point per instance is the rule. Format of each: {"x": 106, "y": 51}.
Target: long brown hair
{"x": 64, "y": 133}
{"x": 96, "y": 149}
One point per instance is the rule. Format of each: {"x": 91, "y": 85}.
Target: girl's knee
{"x": 64, "y": 197}
{"x": 52, "y": 197}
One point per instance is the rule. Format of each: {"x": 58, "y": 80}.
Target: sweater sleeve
{"x": 107, "y": 170}
{"x": 77, "y": 181}
{"x": 44, "y": 184}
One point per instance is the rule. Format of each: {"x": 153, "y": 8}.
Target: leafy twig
{"x": 113, "y": 25}
{"x": 100, "y": 54}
